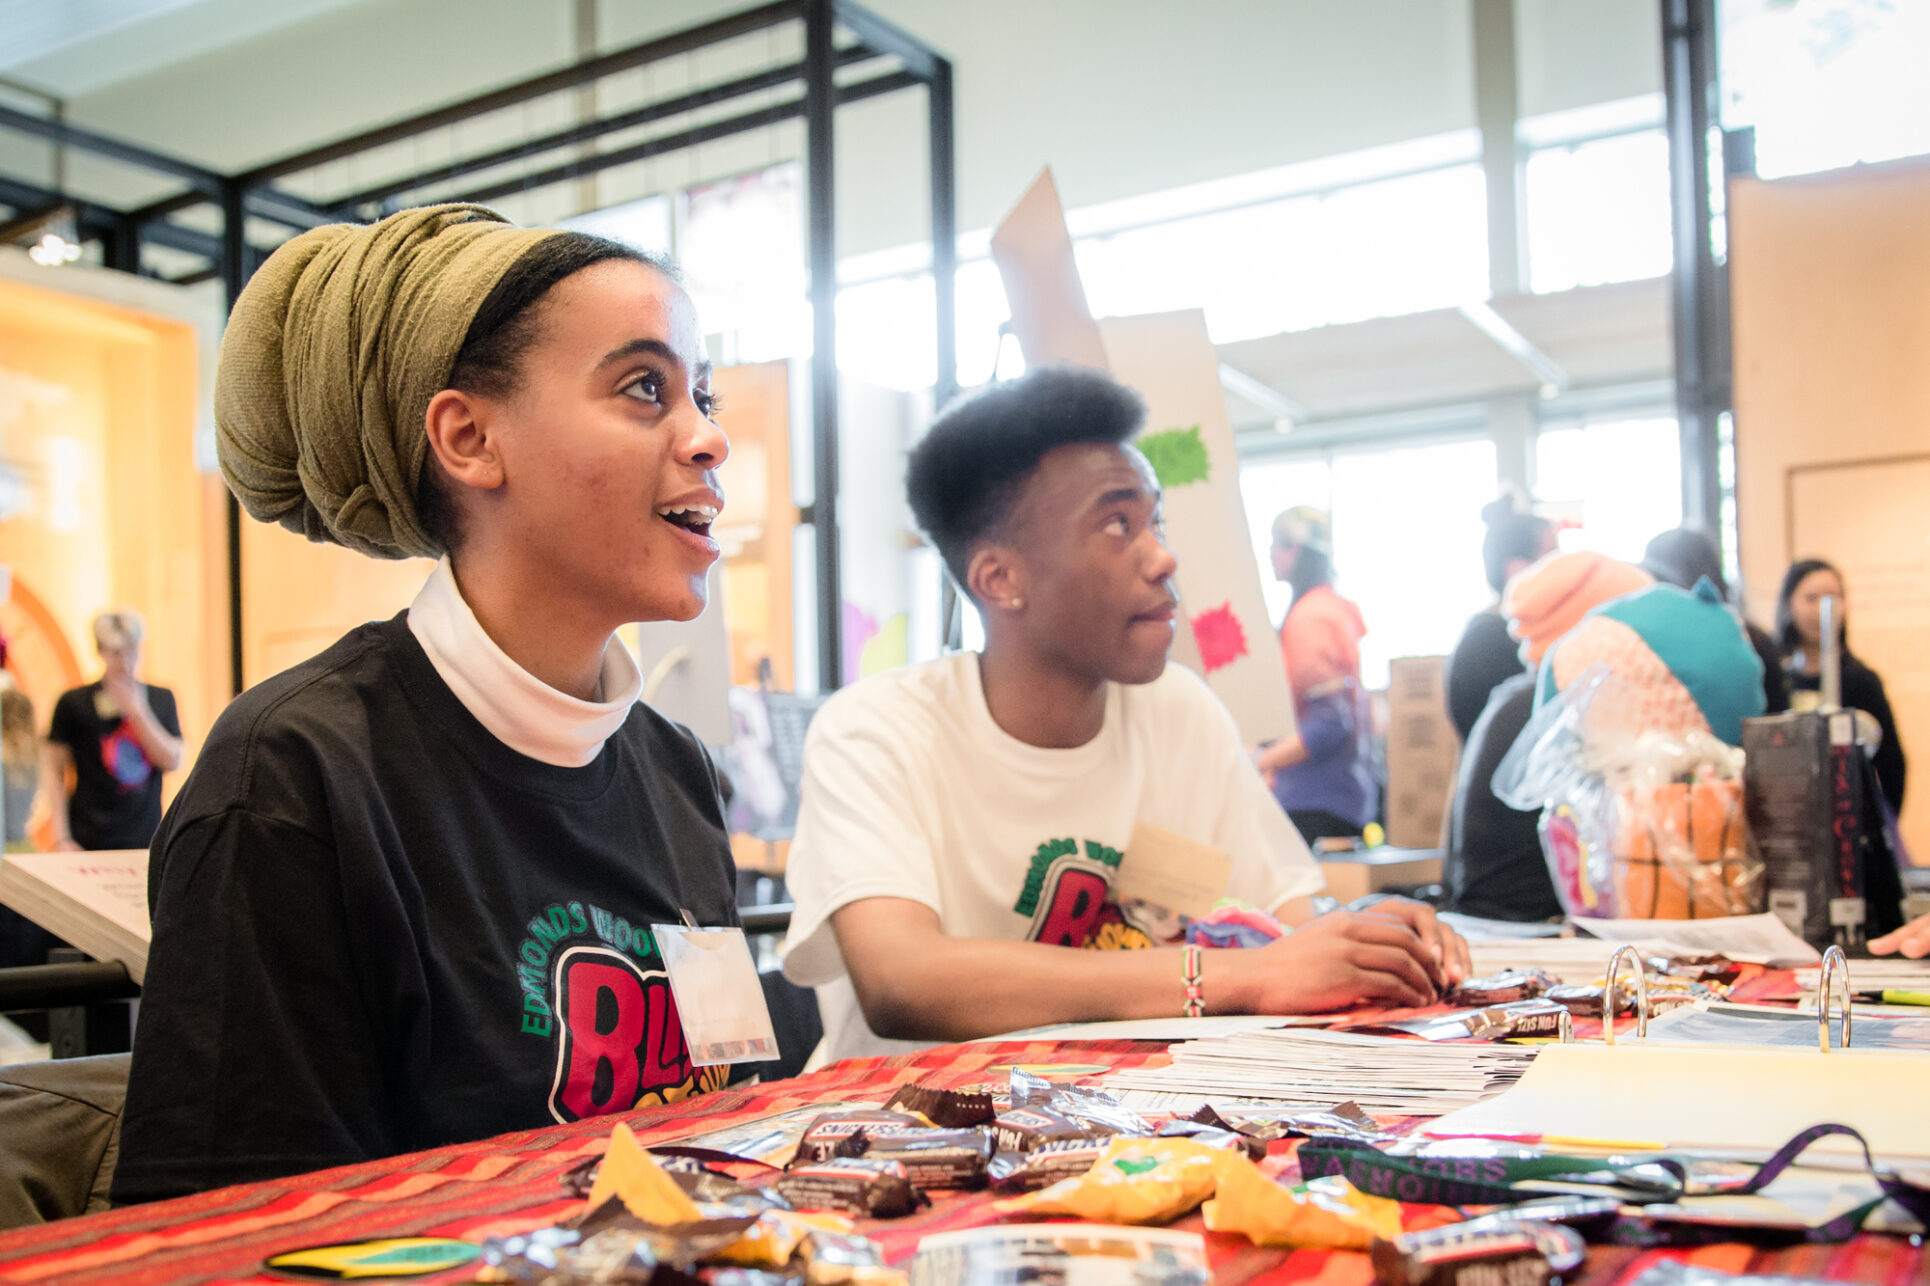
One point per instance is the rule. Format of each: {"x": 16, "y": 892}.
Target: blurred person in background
{"x": 1494, "y": 866}
{"x": 1685, "y": 556}
{"x": 1487, "y": 655}
{"x": 117, "y": 735}
{"x": 1799, "y": 636}
{"x": 22, "y": 942}
{"x": 1323, "y": 775}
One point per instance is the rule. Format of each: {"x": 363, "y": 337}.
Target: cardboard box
{"x": 1422, "y": 751}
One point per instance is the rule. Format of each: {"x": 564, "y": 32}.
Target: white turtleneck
{"x": 519, "y": 709}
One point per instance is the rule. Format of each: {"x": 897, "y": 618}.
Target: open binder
{"x": 1637, "y": 1095}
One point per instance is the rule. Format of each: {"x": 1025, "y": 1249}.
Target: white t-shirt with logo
{"x": 911, "y": 790}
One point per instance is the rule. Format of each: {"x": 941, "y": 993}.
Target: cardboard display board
{"x": 1048, "y": 301}
{"x": 1169, "y": 359}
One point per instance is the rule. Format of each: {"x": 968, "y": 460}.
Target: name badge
{"x": 718, "y": 995}
{"x": 1171, "y": 871}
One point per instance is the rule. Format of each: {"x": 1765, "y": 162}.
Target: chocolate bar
{"x": 1517, "y": 1253}
{"x": 1045, "y": 1165}
{"x": 1022, "y": 1129}
{"x": 867, "y": 1186}
{"x": 946, "y": 1109}
{"x": 933, "y": 1158}
{"x": 1502, "y": 988}
{"x": 1346, "y": 1121}
{"x": 832, "y": 1134}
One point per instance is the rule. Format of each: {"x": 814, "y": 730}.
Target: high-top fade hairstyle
{"x": 966, "y": 475}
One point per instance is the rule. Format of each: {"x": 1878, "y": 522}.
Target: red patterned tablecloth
{"x": 510, "y": 1184}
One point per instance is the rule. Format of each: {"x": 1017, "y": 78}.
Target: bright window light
{"x": 1378, "y": 249}
{"x": 1620, "y": 480}
{"x": 1598, "y": 212}
{"x": 1826, "y": 83}
{"x": 1416, "y": 580}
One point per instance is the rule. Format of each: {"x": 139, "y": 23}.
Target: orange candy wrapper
{"x": 1135, "y": 1180}
{"x": 1326, "y": 1214}
{"x": 1153, "y": 1181}
{"x": 775, "y": 1237}
{"x": 631, "y": 1175}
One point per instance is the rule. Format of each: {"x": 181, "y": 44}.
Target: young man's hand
{"x": 1449, "y": 947}
{"x": 1330, "y": 962}
{"x": 1912, "y": 940}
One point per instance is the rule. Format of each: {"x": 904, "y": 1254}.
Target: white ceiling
{"x": 69, "y": 48}
{"x": 1596, "y": 335}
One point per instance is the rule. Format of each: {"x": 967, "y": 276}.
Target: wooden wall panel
{"x": 1830, "y": 289}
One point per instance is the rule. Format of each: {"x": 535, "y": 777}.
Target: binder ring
{"x": 1836, "y": 969}
{"x": 1564, "y": 1028}
{"x": 1641, "y": 993}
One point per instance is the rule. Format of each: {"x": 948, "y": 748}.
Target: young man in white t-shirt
{"x": 962, "y": 821}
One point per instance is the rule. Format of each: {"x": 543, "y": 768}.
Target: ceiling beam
{"x": 1545, "y": 369}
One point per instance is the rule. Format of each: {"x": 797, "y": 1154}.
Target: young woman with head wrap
{"x": 404, "y": 898}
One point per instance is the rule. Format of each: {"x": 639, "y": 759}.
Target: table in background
{"x": 1355, "y": 874}
{"x": 511, "y": 1184}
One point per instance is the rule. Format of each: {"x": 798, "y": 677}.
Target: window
{"x": 1826, "y": 83}
{"x": 1377, "y": 249}
{"x": 1407, "y": 538}
{"x": 1619, "y": 482}
{"x": 1598, "y": 211}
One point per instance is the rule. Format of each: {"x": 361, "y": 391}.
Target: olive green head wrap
{"x": 329, "y": 361}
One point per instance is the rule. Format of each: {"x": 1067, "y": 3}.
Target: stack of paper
{"x": 1760, "y": 938}
{"x": 1309, "y": 1067}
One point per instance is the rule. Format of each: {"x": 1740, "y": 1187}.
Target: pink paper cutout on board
{"x": 1220, "y": 636}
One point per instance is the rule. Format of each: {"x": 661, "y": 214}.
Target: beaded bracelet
{"x": 1195, "y": 994}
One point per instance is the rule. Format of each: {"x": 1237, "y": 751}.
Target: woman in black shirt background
{"x": 1799, "y": 633}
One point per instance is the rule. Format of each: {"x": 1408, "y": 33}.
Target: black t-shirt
{"x": 117, "y": 793}
{"x": 1494, "y": 866}
{"x": 379, "y": 929}
{"x": 1485, "y": 657}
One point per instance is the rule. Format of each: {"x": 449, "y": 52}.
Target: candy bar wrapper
{"x": 1346, "y": 1121}
{"x": 1469, "y": 1255}
{"x": 840, "y": 1259}
{"x": 562, "y": 1256}
{"x": 1094, "y": 1108}
{"x": 776, "y": 1236}
{"x": 1026, "y": 1129}
{"x": 834, "y": 1134}
{"x": 1539, "y": 1017}
{"x": 870, "y": 1187}
{"x": 1044, "y": 1165}
{"x": 1213, "y": 1136}
{"x": 1502, "y": 988}
{"x": 933, "y": 1158}
{"x": 946, "y": 1109}
{"x": 1140, "y": 1181}
{"x": 1327, "y": 1214}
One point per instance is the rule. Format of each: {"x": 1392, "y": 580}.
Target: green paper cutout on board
{"x": 1178, "y": 456}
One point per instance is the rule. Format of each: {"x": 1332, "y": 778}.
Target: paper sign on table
{"x": 95, "y": 900}
{"x": 1172, "y": 871}
{"x": 1169, "y": 359}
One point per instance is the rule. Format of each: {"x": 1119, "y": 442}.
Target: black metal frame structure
{"x": 256, "y": 194}
{"x": 1704, "y": 390}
